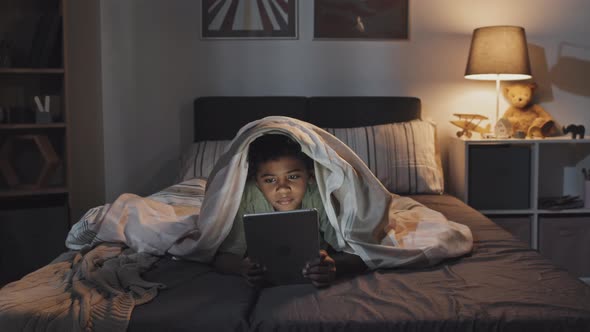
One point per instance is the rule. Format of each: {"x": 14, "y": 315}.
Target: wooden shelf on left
{"x": 32, "y": 125}
{"x": 32, "y": 70}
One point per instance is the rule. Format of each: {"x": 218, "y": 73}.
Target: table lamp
{"x": 498, "y": 53}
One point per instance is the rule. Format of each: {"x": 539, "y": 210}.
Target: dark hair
{"x": 272, "y": 147}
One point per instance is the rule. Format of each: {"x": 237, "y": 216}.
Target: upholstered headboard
{"x": 350, "y": 112}
{"x": 219, "y": 118}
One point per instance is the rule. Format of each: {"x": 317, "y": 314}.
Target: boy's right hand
{"x": 253, "y": 272}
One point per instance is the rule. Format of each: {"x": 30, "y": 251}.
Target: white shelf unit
{"x": 552, "y": 168}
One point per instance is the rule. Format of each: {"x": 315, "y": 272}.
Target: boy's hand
{"x": 321, "y": 271}
{"x": 253, "y": 272}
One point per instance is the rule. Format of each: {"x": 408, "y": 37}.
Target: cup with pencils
{"x": 586, "y": 173}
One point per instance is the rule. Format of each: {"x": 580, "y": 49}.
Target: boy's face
{"x": 283, "y": 182}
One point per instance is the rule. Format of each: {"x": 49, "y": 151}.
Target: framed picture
{"x": 254, "y": 19}
{"x": 361, "y": 19}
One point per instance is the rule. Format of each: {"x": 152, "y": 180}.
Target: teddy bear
{"x": 527, "y": 119}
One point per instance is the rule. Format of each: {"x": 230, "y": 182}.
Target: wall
{"x": 154, "y": 64}
{"x": 84, "y": 78}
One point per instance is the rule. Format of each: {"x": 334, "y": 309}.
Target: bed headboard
{"x": 350, "y": 112}
{"x": 219, "y": 118}
{"x": 415, "y": 168}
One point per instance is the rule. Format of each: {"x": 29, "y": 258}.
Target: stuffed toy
{"x": 576, "y": 130}
{"x": 526, "y": 117}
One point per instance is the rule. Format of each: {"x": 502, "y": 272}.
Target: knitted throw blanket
{"x": 88, "y": 290}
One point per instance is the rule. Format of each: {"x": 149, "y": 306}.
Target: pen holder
{"x": 42, "y": 117}
{"x": 587, "y": 194}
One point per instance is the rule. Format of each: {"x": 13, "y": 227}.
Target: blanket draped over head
{"x": 384, "y": 229}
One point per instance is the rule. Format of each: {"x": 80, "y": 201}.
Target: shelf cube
{"x": 46, "y": 151}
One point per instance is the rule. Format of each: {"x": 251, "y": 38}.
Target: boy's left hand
{"x": 321, "y": 271}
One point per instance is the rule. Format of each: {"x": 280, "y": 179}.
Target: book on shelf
{"x": 46, "y": 43}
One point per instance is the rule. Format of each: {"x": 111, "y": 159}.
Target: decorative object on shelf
{"x": 575, "y": 130}
{"x": 498, "y": 53}
{"x": 360, "y": 19}
{"x": 46, "y": 44}
{"x": 503, "y": 129}
{"x": 470, "y": 122}
{"x": 550, "y": 128}
{"x": 523, "y": 114}
{"x": 20, "y": 114}
{"x": 547, "y": 129}
{"x": 50, "y": 161}
{"x": 561, "y": 203}
{"x": 7, "y": 114}
{"x": 5, "y": 53}
{"x": 42, "y": 114}
{"x": 3, "y": 115}
{"x": 56, "y": 108}
{"x": 518, "y": 134}
{"x": 249, "y": 19}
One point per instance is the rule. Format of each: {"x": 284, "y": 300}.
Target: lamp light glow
{"x": 498, "y": 53}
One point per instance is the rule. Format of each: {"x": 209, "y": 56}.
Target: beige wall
{"x": 153, "y": 64}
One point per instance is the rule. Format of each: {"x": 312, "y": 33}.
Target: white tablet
{"x": 283, "y": 242}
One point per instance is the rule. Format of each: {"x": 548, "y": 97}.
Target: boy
{"x": 281, "y": 179}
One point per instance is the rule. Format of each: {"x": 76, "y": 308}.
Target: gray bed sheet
{"x": 195, "y": 299}
{"x": 501, "y": 286}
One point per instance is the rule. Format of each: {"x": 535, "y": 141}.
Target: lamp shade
{"x": 498, "y": 53}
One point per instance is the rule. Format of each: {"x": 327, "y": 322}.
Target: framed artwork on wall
{"x": 361, "y": 19}
{"x": 249, "y": 19}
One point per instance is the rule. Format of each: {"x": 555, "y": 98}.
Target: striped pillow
{"x": 403, "y": 156}
{"x": 199, "y": 159}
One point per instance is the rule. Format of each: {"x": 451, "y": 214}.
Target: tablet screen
{"x": 283, "y": 242}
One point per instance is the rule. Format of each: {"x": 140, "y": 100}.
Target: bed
{"x": 502, "y": 285}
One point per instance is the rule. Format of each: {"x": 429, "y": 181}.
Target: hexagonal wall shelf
{"x": 50, "y": 160}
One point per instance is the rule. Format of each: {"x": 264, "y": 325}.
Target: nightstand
{"x": 505, "y": 179}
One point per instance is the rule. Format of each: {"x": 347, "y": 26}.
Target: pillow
{"x": 403, "y": 156}
{"x": 199, "y": 159}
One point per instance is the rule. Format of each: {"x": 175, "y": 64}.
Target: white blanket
{"x": 384, "y": 229}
